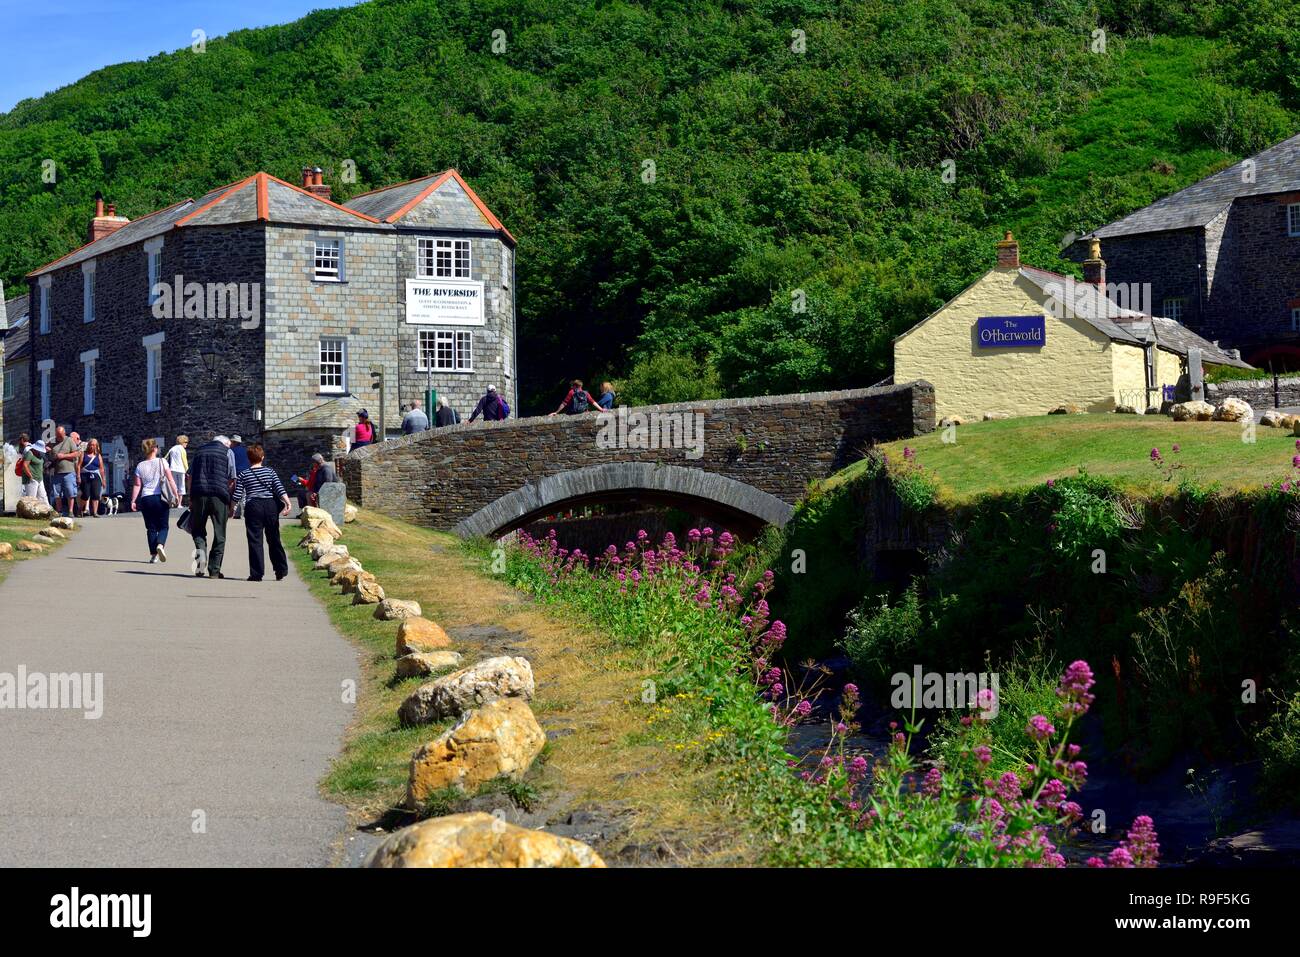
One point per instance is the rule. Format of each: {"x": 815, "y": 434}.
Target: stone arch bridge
{"x": 745, "y": 461}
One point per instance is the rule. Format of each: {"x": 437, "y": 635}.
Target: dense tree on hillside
{"x": 755, "y": 188}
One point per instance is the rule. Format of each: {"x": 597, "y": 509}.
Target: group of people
{"x": 220, "y": 475}
{"x": 492, "y": 407}
{"x": 70, "y": 475}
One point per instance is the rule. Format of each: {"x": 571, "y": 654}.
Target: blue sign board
{"x": 1010, "y": 332}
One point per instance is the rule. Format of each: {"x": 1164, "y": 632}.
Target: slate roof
{"x": 1126, "y": 325}
{"x": 335, "y": 415}
{"x": 392, "y": 203}
{"x": 266, "y": 198}
{"x": 1277, "y": 170}
{"x": 18, "y": 337}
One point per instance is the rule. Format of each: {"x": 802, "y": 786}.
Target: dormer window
{"x": 1293, "y": 219}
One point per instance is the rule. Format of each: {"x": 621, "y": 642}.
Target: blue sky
{"x": 46, "y": 44}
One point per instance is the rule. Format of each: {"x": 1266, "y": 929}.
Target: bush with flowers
{"x": 702, "y": 621}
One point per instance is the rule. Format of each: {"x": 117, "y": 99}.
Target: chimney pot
{"x": 1094, "y": 267}
{"x": 99, "y": 203}
{"x": 1008, "y": 252}
{"x": 313, "y": 181}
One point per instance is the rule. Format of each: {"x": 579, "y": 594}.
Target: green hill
{"x": 797, "y": 216}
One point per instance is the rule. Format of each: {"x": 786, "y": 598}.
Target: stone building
{"x": 1221, "y": 256}
{"x": 262, "y": 301}
{"x": 1024, "y": 341}
{"x": 15, "y": 413}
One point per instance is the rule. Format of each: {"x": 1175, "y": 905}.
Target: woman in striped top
{"x": 264, "y": 501}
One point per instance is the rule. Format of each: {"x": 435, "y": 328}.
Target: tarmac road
{"x": 223, "y": 703}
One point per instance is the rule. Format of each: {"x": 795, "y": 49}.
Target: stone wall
{"x": 775, "y": 445}
{"x": 1258, "y": 392}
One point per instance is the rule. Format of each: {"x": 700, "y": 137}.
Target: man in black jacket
{"x": 211, "y": 480}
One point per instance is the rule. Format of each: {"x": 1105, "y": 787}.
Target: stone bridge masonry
{"x": 755, "y": 461}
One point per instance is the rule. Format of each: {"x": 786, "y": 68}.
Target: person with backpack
{"x": 578, "y": 401}
{"x": 492, "y": 407}
{"x": 30, "y": 468}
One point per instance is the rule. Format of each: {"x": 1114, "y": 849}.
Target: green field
{"x": 1016, "y": 453}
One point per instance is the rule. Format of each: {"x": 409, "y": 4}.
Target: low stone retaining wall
{"x": 1258, "y": 392}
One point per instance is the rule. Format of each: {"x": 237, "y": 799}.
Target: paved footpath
{"x": 223, "y": 697}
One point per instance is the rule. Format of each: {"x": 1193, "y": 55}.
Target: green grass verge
{"x": 372, "y": 770}
{"x": 1010, "y": 454}
{"x": 15, "y": 530}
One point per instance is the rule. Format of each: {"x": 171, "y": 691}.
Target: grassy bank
{"x": 1010, "y": 454}
{"x": 1176, "y": 571}
{"x": 588, "y": 697}
{"x": 13, "y": 531}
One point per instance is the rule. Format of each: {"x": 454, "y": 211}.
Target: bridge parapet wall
{"x": 776, "y": 444}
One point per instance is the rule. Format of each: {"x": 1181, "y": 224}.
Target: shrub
{"x": 881, "y": 635}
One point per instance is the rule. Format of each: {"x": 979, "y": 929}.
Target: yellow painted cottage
{"x": 1024, "y": 341}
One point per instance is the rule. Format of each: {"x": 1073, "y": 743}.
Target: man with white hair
{"x": 445, "y": 415}
{"x": 211, "y": 481}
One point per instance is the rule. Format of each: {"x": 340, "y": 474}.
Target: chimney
{"x": 104, "y": 223}
{"x": 313, "y": 182}
{"x": 1008, "y": 253}
{"x": 1094, "y": 267}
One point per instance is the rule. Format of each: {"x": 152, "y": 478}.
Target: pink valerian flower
{"x": 803, "y": 708}
{"x": 983, "y": 754}
{"x": 1119, "y": 857}
{"x": 909, "y": 453}
{"x": 1142, "y": 844}
{"x": 1039, "y": 728}
{"x": 1008, "y": 788}
{"x": 933, "y": 783}
{"x": 985, "y": 699}
{"x": 1074, "y": 691}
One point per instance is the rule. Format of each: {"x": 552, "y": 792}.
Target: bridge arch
{"x": 668, "y": 483}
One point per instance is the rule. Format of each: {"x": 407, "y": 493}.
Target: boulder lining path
{"x": 223, "y": 704}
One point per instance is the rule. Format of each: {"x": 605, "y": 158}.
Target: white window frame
{"x": 89, "y": 359}
{"x": 1174, "y": 304}
{"x": 425, "y": 258}
{"x": 327, "y": 250}
{"x": 506, "y": 258}
{"x": 153, "y": 254}
{"x": 153, "y": 371}
{"x": 46, "y": 369}
{"x": 88, "y": 304}
{"x": 450, "y": 350}
{"x": 453, "y": 259}
{"x": 1293, "y": 219}
{"x": 323, "y": 387}
{"x": 10, "y": 385}
{"x": 464, "y": 351}
{"x": 44, "y": 304}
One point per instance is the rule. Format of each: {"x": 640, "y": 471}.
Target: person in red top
{"x": 578, "y": 400}
{"x": 364, "y": 432}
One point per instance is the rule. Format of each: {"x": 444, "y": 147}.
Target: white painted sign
{"x": 444, "y": 302}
